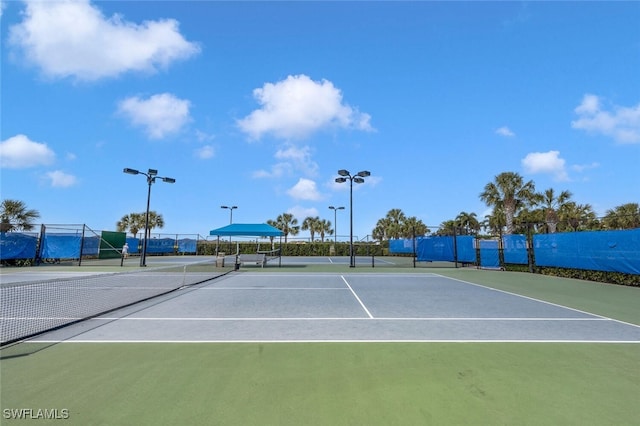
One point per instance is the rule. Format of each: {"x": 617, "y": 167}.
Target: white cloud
{"x": 292, "y": 159}
{"x": 18, "y": 152}
{"x": 622, "y": 124}
{"x": 299, "y": 158}
{"x": 296, "y": 107}
{"x": 305, "y": 189}
{"x": 505, "y": 131}
{"x": 160, "y": 115}
{"x": 277, "y": 170}
{"x": 72, "y": 38}
{"x": 302, "y": 213}
{"x": 59, "y": 179}
{"x": 546, "y": 163}
{"x": 583, "y": 167}
{"x": 205, "y": 152}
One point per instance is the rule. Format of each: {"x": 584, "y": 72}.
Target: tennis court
{"x": 357, "y": 307}
{"x": 316, "y": 342}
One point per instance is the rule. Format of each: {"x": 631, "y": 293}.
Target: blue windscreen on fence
{"x": 17, "y": 245}
{"x": 465, "y": 248}
{"x": 91, "y": 246}
{"x": 160, "y": 245}
{"x": 187, "y": 245}
{"x": 133, "y": 245}
{"x": 401, "y": 246}
{"x": 515, "y": 249}
{"x": 489, "y": 255}
{"x": 61, "y": 246}
{"x": 435, "y": 249}
{"x": 612, "y": 251}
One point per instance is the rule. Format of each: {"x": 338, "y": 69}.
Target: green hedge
{"x": 208, "y": 248}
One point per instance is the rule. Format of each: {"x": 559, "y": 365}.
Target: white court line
{"x": 336, "y": 341}
{"x": 356, "y": 296}
{"x": 270, "y": 288}
{"x": 540, "y": 301}
{"x": 336, "y": 319}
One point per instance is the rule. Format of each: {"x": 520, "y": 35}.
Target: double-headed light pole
{"x": 151, "y": 175}
{"x": 231, "y": 208}
{"x": 335, "y": 222}
{"x": 357, "y": 178}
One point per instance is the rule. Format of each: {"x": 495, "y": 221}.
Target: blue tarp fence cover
{"x": 91, "y": 246}
{"x": 489, "y": 254}
{"x": 187, "y": 245}
{"x": 18, "y": 245}
{"x": 160, "y": 245}
{"x": 61, "y": 246}
{"x": 611, "y": 251}
{"x": 515, "y": 249}
{"x": 402, "y": 246}
{"x": 466, "y": 248}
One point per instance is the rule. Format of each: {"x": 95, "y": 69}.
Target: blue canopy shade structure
{"x": 247, "y": 230}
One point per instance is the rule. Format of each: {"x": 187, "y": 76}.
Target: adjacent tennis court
{"x": 339, "y": 345}
{"x": 290, "y": 307}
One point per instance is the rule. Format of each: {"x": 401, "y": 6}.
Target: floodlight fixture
{"x": 335, "y": 222}
{"x": 358, "y": 178}
{"x": 152, "y": 175}
{"x": 230, "y": 211}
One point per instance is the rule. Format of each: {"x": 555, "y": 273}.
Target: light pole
{"x": 357, "y": 178}
{"x": 335, "y": 223}
{"x": 230, "y": 211}
{"x": 231, "y": 208}
{"x": 151, "y": 175}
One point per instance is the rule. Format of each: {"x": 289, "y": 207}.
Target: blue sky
{"x": 259, "y": 104}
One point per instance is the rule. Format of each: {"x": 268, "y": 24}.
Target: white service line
{"x": 356, "y": 296}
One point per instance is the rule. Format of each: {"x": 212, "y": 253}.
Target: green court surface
{"x": 322, "y": 383}
{"x": 327, "y": 384}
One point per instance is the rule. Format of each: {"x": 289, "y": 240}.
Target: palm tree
{"x": 391, "y": 225}
{"x": 412, "y": 226}
{"x": 287, "y": 224}
{"x": 468, "y": 222}
{"x": 14, "y": 216}
{"x": 447, "y": 228}
{"x": 625, "y": 216}
{"x": 551, "y": 205}
{"x": 511, "y": 193}
{"x": 324, "y": 228}
{"x": 311, "y": 224}
{"x": 578, "y": 216}
{"x": 380, "y": 231}
{"x": 495, "y": 222}
{"x": 155, "y": 221}
{"x": 134, "y": 222}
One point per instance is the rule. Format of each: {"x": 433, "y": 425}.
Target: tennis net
{"x": 31, "y": 308}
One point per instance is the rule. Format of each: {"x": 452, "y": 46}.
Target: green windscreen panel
{"x": 111, "y": 244}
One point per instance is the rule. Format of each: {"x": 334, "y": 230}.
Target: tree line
{"x": 516, "y": 208}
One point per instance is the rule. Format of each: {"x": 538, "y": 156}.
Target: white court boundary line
{"x": 540, "y": 301}
{"x": 258, "y": 319}
{"x": 335, "y": 341}
{"x": 356, "y": 296}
